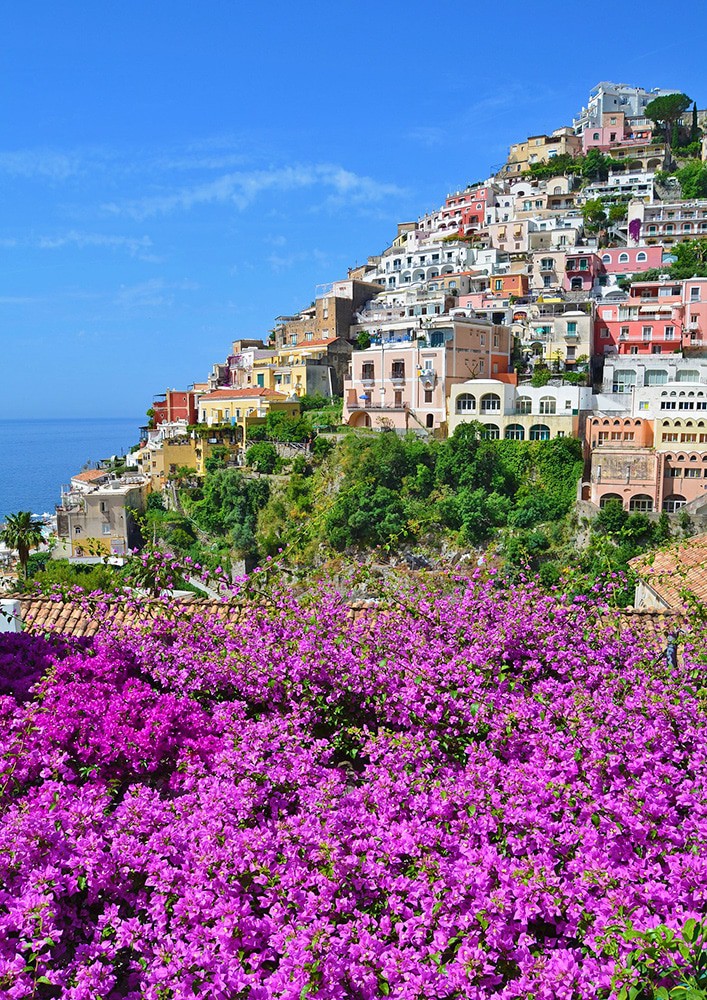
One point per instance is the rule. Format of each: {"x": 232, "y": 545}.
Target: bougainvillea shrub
{"x": 462, "y": 795}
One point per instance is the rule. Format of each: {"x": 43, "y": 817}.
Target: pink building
{"x": 403, "y": 380}
{"x": 631, "y": 260}
{"x": 615, "y": 131}
{"x": 626, "y": 466}
{"x": 659, "y": 317}
{"x": 582, "y": 270}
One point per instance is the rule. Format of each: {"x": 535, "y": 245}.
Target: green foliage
{"x": 60, "y": 573}
{"x": 22, "y": 533}
{"x": 314, "y": 402}
{"x": 663, "y": 964}
{"x": 611, "y": 518}
{"x": 693, "y": 179}
{"x": 217, "y": 459}
{"x": 155, "y": 501}
{"x": 36, "y": 563}
{"x": 229, "y": 507}
{"x": 593, "y": 213}
{"x": 321, "y": 447}
{"x": 595, "y": 165}
{"x": 363, "y": 340}
{"x": 541, "y": 376}
{"x": 262, "y": 457}
{"x": 281, "y": 427}
{"x": 618, "y": 212}
{"x": 665, "y": 112}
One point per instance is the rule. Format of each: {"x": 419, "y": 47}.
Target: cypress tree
{"x": 694, "y": 132}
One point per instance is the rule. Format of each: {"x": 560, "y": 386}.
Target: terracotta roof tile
{"x": 674, "y": 572}
{"x": 91, "y": 475}
{"x": 252, "y": 393}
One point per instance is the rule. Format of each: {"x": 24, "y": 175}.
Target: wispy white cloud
{"x": 45, "y": 163}
{"x": 137, "y": 246}
{"x": 241, "y": 188}
{"x": 152, "y": 293}
{"x": 283, "y": 261}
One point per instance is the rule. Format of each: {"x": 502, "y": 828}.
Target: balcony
{"x": 428, "y": 378}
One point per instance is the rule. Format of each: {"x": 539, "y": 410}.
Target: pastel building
{"x": 240, "y": 408}
{"x": 609, "y": 98}
{"x": 556, "y": 333}
{"x": 631, "y": 259}
{"x": 98, "y": 518}
{"x": 404, "y": 378}
{"x": 519, "y": 412}
{"x": 658, "y": 317}
{"x": 666, "y": 222}
{"x": 541, "y": 149}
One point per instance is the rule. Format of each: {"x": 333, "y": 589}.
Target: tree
{"x": 22, "y": 533}
{"x": 262, "y": 457}
{"x": 693, "y": 179}
{"x": 694, "y": 130}
{"x": 665, "y": 112}
{"x": 594, "y": 214}
{"x": 363, "y": 340}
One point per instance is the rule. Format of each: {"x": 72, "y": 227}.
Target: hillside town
{"x": 551, "y": 299}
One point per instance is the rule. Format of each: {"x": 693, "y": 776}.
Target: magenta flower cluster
{"x": 454, "y": 796}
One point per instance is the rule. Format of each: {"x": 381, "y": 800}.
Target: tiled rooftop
{"x": 676, "y": 570}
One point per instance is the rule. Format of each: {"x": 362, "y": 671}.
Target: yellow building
{"x": 228, "y": 409}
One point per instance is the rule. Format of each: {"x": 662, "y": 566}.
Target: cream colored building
{"x": 519, "y": 412}
{"x": 99, "y": 520}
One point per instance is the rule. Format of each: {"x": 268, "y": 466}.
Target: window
{"x": 309, "y": 336}
{"x": 673, "y": 502}
{"x": 539, "y": 432}
{"x": 624, "y": 381}
{"x": 623, "y": 258}
{"x": 641, "y": 502}
{"x": 641, "y": 257}
{"x": 77, "y": 529}
{"x": 571, "y": 328}
{"x": 293, "y": 338}
{"x": 524, "y": 404}
{"x": 647, "y": 332}
{"x": 515, "y": 432}
{"x": 548, "y": 405}
{"x": 490, "y": 403}
{"x": 643, "y": 405}
{"x": 669, "y": 332}
{"x": 465, "y": 402}
{"x": 367, "y": 370}
{"x": 659, "y": 376}
{"x": 397, "y": 369}
{"x": 491, "y": 432}
{"x": 688, "y": 375}
{"x": 106, "y": 526}
{"x": 695, "y": 293}
{"x": 623, "y": 333}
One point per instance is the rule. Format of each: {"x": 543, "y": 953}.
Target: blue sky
{"x": 175, "y": 175}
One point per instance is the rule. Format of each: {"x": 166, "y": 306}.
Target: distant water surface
{"x": 38, "y": 456}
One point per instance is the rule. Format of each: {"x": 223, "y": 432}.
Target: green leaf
{"x": 689, "y": 931}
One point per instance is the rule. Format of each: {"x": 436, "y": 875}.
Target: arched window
{"x": 606, "y": 258}
{"x": 641, "y": 502}
{"x": 539, "y": 432}
{"x": 491, "y": 432}
{"x": 548, "y": 404}
{"x": 641, "y": 257}
{"x": 595, "y": 137}
{"x": 623, "y": 258}
{"x": 490, "y": 403}
{"x": 524, "y": 404}
{"x": 673, "y": 503}
{"x": 609, "y": 496}
{"x": 515, "y": 432}
{"x": 465, "y": 402}
{"x": 688, "y": 375}
{"x": 557, "y": 190}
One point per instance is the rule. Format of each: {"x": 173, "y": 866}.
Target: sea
{"x": 37, "y": 457}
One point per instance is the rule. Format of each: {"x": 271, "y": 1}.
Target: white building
{"x": 607, "y": 97}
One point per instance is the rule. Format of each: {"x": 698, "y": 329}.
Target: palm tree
{"x": 22, "y": 533}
